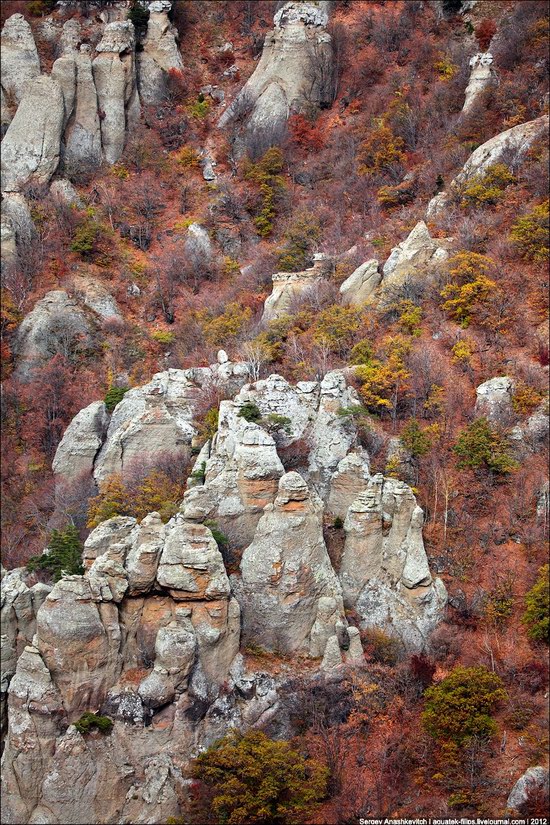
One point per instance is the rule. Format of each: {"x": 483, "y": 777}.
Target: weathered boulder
{"x": 19, "y": 604}
{"x": 508, "y": 147}
{"x": 31, "y": 146}
{"x": 384, "y": 569}
{"x": 114, "y": 74}
{"x": 494, "y": 400}
{"x": 198, "y": 246}
{"x": 350, "y": 478}
{"x": 19, "y": 60}
{"x": 295, "y": 70}
{"x": 482, "y": 77}
{"x": 17, "y": 213}
{"x": 418, "y": 255}
{"x": 288, "y": 286}
{"x": 159, "y": 55}
{"x": 534, "y": 781}
{"x": 81, "y": 442}
{"x": 191, "y": 566}
{"x": 361, "y": 283}
{"x": 63, "y": 191}
{"x": 82, "y": 150}
{"x": 94, "y": 296}
{"x": 286, "y": 572}
{"x": 56, "y": 324}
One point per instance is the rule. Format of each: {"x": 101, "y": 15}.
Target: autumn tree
{"x": 537, "y": 613}
{"x": 254, "y": 779}
{"x": 63, "y": 554}
{"x": 469, "y": 286}
{"x": 481, "y": 447}
{"x": 461, "y": 705}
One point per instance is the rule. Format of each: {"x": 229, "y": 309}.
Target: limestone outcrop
{"x": 55, "y": 324}
{"x": 418, "y": 255}
{"x": 114, "y": 73}
{"x": 482, "y": 77}
{"x": 289, "y": 286}
{"x": 31, "y": 146}
{"x": 295, "y": 70}
{"x": 19, "y": 60}
{"x": 361, "y": 283}
{"x": 159, "y": 54}
{"x": 82, "y": 137}
{"x": 508, "y": 147}
{"x": 289, "y": 594}
{"x": 494, "y": 400}
{"x": 154, "y": 419}
{"x": 384, "y": 569}
{"x": 533, "y": 781}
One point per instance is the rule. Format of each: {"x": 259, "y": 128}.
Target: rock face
{"x": 482, "y": 77}
{"x": 287, "y": 286}
{"x": 31, "y": 146}
{"x": 55, "y": 324}
{"x": 150, "y": 420}
{"x": 290, "y": 597}
{"x": 419, "y": 254}
{"x": 159, "y": 55}
{"x": 114, "y": 73}
{"x": 295, "y": 69}
{"x": 361, "y": 283}
{"x": 82, "y": 138}
{"x": 384, "y": 570}
{"x": 149, "y": 635}
{"x": 494, "y": 400}
{"x": 19, "y": 605}
{"x": 18, "y": 57}
{"x": 508, "y": 147}
{"x": 533, "y": 781}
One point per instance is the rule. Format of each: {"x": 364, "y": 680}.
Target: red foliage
{"x": 304, "y": 134}
{"x": 484, "y": 33}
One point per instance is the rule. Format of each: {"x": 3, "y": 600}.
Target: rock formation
{"x": 532, "y": 781}
{"x": 295, "y": 70}
{"x": 159, "y": 54}
{"x": 288, "y": 286}
{"x": 494, "y": 400}
{"x": 482, "y": 77}
{"x": 418, "y": 255}
{"x": 55, "y": 324}
{"x": 508, "y": 147}
{"x": 31, "y": 146}
{"x": 384, "y": 570}
{"x": 19, "y": 60}
{"x": 361, "y": 283}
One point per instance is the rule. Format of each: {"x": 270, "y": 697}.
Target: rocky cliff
{"x": 150, "y": 634}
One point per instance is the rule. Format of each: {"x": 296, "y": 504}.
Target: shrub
{"x": 63, "y": 555}
{"x": 224, "y": 329}
{"x": 415, "y": 440}
{"x": 480, "y": 446}
{"x": 275, "y": 422}
{"x": 199, "y": 475}
{"x": 484, "y": 32}
{"x": 85, "y": 238}
{"x": 112, "y": 500}
{"x": 162, "y": 336}
{"x": 209, "y": 424}
{"x": 92, "y": 720}
{"x": 380, "y": 647}
{"x": 460, "y": 706}
{"x": 187, "y": 157}
{"x": 250, "y": 412}
{"x": 199, "y": 110}
{"x": 220, "y": 538}
{"x": 338, "y": 523}
{"x": 113, "y": 396}
{"x": 462, "y": 351}
{"x": 300, "y": 240}
{"x": 525, "y": 398}
{"x": 362, "y": 353}
{"x": 536, "y": 615}
{"x": 381, "y": 152}
{"x": 38, "y": 8}
{"x": 530, "y": 234}
{"x": 469, "y": 286}
{"x": 267, "y": 174}
{"x": 336, "y": 326}
{"x": 254, "y": 779}
{"x": 488, "y": 188}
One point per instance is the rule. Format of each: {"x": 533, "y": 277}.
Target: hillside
{"x": 274, "y": 357}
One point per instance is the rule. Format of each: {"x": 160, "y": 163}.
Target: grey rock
{"x": 292, "y": 72}
{"x": 63, "y": 191}
{"x": 286, "y": 571}
{"x": 82, "y": 139}
{"x": 56, "y": 324}
{"x": 31, "y": 146}
{"x": 159, "y": 55}
{"x": 81, "y": 442}
{"x": 418, "y": 254}
{"x": 18, "y": 57}
{"x": 482, "y": 77}
{"x": 361, "y": 283}
{"x": 533, "y": 780}
{"x": 494, "y": 400}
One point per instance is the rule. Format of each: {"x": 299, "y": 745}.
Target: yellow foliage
{"x": 380, "y": 151}
{"x": 469, "y": 287}
{"x": 225, "y": 328}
